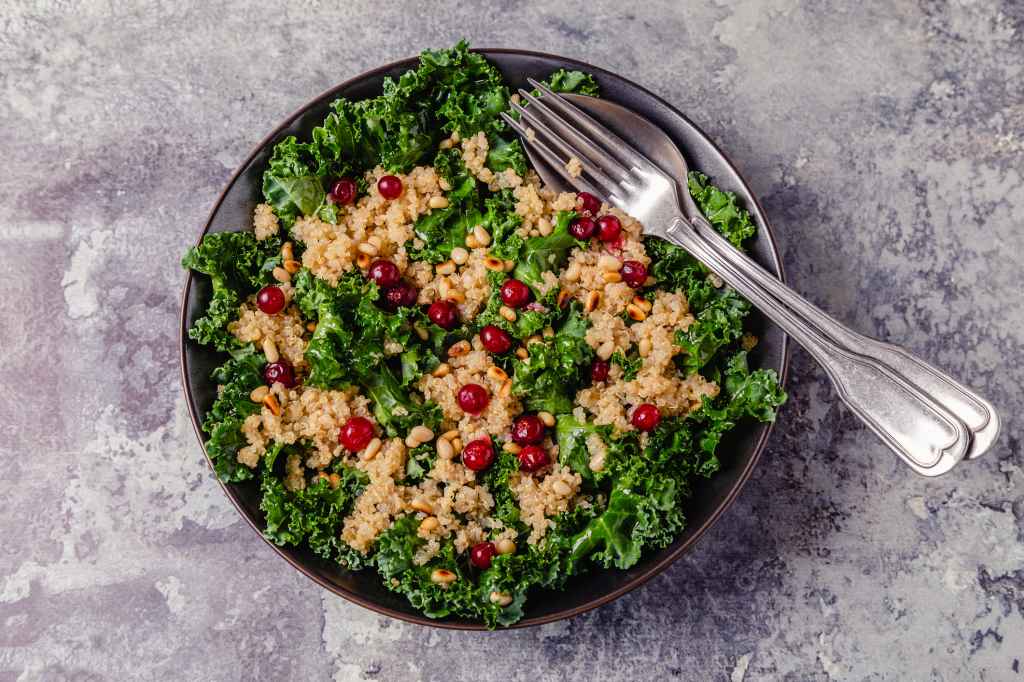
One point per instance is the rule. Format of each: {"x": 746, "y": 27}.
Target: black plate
{"x": 739, "y": 452}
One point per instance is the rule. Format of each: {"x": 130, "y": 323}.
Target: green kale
{"x": 497, "y": 480}
{"x": 544, "y": 254}
{"x": 419, "y": 461}
{"x": 722, "y": 209}
{"x": 504, "y": 154}
{"x": 443, "y": 229}
{"x": 573, "y": 81}
{"x": 393, "y": 406}
{"x": 719, "y": 324}
{"x": 574, "y": 451}
{"x": 502, "y": 221}
{"x": 548, "y": 378}
{"x": 630, "y": 365}
{"x": 529, "y": 321}
{"x": 289, "y": 185}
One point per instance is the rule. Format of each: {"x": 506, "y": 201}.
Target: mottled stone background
{"x": 887, "y": 141}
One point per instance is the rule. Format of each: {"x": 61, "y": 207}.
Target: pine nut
{"x": 572, "y": 273}
{"x": 368, "y": 248}
{"x": 321, "y": 476}
{"x": 563, "y": 298}
{"x": 593, "y": 300}
{"x": 511, "y": 448}
{"x": 642, "y": 303}
{"x": 644, "y": 348}
{"x": 459, "y": 349}
{"x": 502, "y": 599}
{"x": 510, "y": 265}
{"x": 609, "y": 263}
{"x": 363, "y": 261}
{"x": 450, "y": 435}
{"x": 421, "y": 332}
{"x": 455, "y": 137}
{"x": 422, "y": 433}
{"x": 270, "y": 350}
{"x": 259, "y": 393}
{"x": 605, "y": 350}
{"x": 444, "y": 449}
{"x": 457, "y": 444}
{"x": 411, "y": 441}
{"x": 561, "y": 489}
{"x": 281, "y": 275}
{"x": 611, "y": 277}
{"x": 371, "y": 449}
{"x": 471, "y": 242}
{"x": 536, "y": 338}
{"x": 292, "y": 266}
{"x": 445, "y": 268}
{"x": 445, "y": 144}
{"x": 334, "y": 480}
{"x": 421, "y": 505}
{"x": 428, "y": 524}
{"x": 635, "y": 312}
{"x": 505, "y": 546}
{"x": 455, "y": 296}
{"x": 286, "y": 251}
{"x": 438, "y": 202}
{"x": 548, "y": 332}
{"x": 376, "y": 241}
{"x": 443, "y": 288}
{"x": 544, "y": 227}
{"x": 441, "y": 370}
{"x": 506, "y": 389}
{"x": 460, "y": 255}
{"x": 495, "y": 264}
{"x": 496, "y": 373}
{"x": 311, "y": 327}
{"x": 507, "y": 313}
{"x": 441, "y": 576}
{"x": 270, "y": 402}
{"x": 483, "y": 237}
{"x": 522, "y": 353}
{"x": 547, "y": 418}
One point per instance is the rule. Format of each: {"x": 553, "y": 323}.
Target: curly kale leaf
{"x": 630, "y": 364}
{"x": 573, "y": 81}
{"x": 497, "y": 480}
{"x": 238, "y": 264}
{"x": 529, "y": 321}
{"x": 502, "y": 221}
{"x": 290, "y": 186}
{"x": 722, "y": 209}
{"x": 544, "y": 254}
{"x": 719, "y": 324}
{"x": 443, "y": 229}
{"x": 393, "y": 406}
{"x": 548, "y": 378}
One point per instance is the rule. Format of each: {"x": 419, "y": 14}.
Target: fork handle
{"x": 975, "y": 412}
{"x": 927, "y": 436}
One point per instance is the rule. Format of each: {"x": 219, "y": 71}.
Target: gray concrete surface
{"x": 887, "y": 141}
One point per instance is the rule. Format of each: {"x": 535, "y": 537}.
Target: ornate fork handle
{"x": 926, "y": 435}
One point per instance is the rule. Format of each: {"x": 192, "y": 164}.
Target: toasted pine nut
{"x": 421, "y": 332}
{"x": 505, "y": 546}
{"x": 428, "y": 524}
{"x": 496, "y": 373}
{"x": 281, "y": 275}
{"x": 445, "y": 268}
{"x": 547, "y": 418}
{"x": 561, "y": 488}
{"x": 286, "y": 251}
{"x": 548, "y": 332}
{"x": 611, "y": 277}
{"x": 363, "y": 261}
{"x": 334, "y": 480}
{"x": 371, "y": 449}
{"x": 292, "y": 266}
{"x": 609, "y": 263}
{"x": 457, "y": 444}
{"x": 483, "y": 237}
{"x": 605, "y": 350}
{"x": 593, "y": 300}
{"x": 642, "y": 303}
{"x": 635, "y": 312}
{"x": 441, "y": 576}
{"x": 445, "y": 144}
{"x": 572, "y": 273}
{"x": 456, "y": 296}
{"x": 502, "y": 599}
{"x": 368, "y": 248}
{"x": 495, "y": 264}
{"x": 511, "y": 448}
{"x": 471, "y": 242}
{"x": 507, "y": 313}
{"x": 536, "y": 338}
{"x": 444, "y": 449}
{"x": 510, "y": 265}
{"x": 438, "y": 202}
{"x": 459, "y": 349}
{"x": 644, "y": 347}
{"x": 506, "y": 389}
{"x": 270, "y": 350}
{"x": 522, "y": 353}
{"x": 422, "y": 433}
{"x": 441, "y": 370}
{"x": 322, "y": 476}
{"x": 455, "y": 138}
{"x": 270, "y": 402}
{"x": 460, "y": 255}
{"x": 311, "y": 327}
{"x": 421, "y": 505}
{"x": 443, "y": 288}
{"x": 412, "y": 441}
{"x": 544, "y": 227}
{"x": 450, "y": 435}
{"x": 259, "y": 393}
{"x": 563, "y": 298}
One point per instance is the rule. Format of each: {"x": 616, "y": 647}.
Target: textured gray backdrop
{"x": 887, "y": 141}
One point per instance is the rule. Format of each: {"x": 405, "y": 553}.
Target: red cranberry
{"x": 356, "y": 434}
{"x": 582, "y": 228}
{"x": 478, "y": 454}
{"x": 343, "y": 191}
{"x": 608, "y": 228}
{"x": 384, "y": 273}
{"x": 270, "y": 300}
{"x": 533, "y": 458}
{"x": 646, "y": 417}
{"x": 279, "y": 372}
{"x": 589, "y": 204}
{"x": 528, "y": 430}
{"x": 389, "y": 187}
{"x": 402, "y": 295}
{"x": 481, "y": 554}
{"x": 495, "y": 339}
{"x": 633, "y": 273}
{"x": 514, "y": 293}
{"x": 444, "y": 314}
{"x": 473, "y": 398}
{"x": 599, "y": 371}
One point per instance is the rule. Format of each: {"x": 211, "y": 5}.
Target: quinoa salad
{"x": 436, "y": 368}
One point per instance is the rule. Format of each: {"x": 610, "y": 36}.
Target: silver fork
{"x": 924, "y": 416}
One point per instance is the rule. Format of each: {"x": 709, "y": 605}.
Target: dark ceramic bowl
{"x": 739, "y": 452}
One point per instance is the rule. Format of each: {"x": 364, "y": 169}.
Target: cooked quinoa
{"x": 437, "y": 371}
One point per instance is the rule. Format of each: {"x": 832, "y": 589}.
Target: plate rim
{"x": 419, "y": 619}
